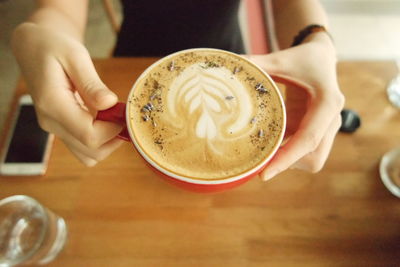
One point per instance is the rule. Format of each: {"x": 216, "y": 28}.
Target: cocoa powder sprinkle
{"x": 145, "y": 117}
{"x": 260, "y": 87}
{"x": 149, "y": 106}
{"x": 171, "y": 66}
{"x": 236, "y": 70}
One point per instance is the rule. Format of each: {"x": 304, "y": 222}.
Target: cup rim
{"x": 42, "y": 210}
{"x": 191, "y": 180}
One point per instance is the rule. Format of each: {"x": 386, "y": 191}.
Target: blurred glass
{"x": 29, "y": 232}
{"x": 390, "y": 171}
{"x": 393, "y": 89}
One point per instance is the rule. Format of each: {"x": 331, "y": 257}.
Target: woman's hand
{"x": 313, "y": 105}
{"x": 66, "y": 90}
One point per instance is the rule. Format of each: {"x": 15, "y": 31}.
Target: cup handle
{"x": 116, "y": 114}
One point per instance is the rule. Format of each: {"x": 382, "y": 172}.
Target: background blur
{"x": 362, "y": 30}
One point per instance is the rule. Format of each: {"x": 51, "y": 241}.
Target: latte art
{"x": 205, "y": 115}
{"x": 212, "y": 100}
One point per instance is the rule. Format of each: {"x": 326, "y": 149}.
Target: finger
{"x": 285, "y": 64}
{"x": 97, "y": 154}
{"x": 280, "y": 71}
{"x": 270, "y": 62}
{"x": 314, "y": 161}
{"x": 79, "y": 122}
{"x": 79, "y": 67}
{"x": 311, "y": 131}
{"x": 296, "y": 104}
{"x": 50, "y": 125}
{"x": 88, "y": 161}
{"x": 57, "y": 101}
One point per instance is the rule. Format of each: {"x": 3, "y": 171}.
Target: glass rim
{"x": 387, "y": 181}
{"x": 42, "y": 210}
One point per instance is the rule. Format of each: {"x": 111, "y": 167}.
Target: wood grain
{"x": 120, "y": 214}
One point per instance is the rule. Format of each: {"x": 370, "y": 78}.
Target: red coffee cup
{"x": 119, "y": 114}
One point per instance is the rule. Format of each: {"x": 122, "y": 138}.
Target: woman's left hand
{"x": 313, "y": 105}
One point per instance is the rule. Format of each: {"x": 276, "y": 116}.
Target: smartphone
{"x": 27, "y": 147}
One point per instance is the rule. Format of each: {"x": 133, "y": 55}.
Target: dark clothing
{"x": 160, "y": 27}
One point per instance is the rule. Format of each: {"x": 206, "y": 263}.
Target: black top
{"x": 160, "y": 27}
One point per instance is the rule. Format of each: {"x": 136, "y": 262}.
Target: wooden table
{"x": 120, "y": 214}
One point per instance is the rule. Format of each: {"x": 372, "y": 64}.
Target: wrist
{"x": 321, "y": 38}
{"x": 308, "y": 31}
{"x": 53, "y": 19}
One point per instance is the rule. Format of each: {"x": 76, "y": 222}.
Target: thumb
{"x": 83, "y": 75}
{"x": 96, "y": 95}
{"x": 282, "y": 67}
{"x": 271, "y": 63}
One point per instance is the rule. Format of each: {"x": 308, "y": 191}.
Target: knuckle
{"x": 336, "y": 100}
{"x": 339, "y": 100}
{"x": 89, "y": 140}
{"x": 315, "y": 162}
{"x": 100, "y": 155}
{"x": 89, "y": 86}
{"x": 43, "y": 123}
{"x": 82, "y": 156}
{"x": 275, "y": 62}
{"x": 89, "y": 162}
{"x": 311, "y": 140}
{"x": 44, "y": 104}
{"x": 42, "y": 118}
{"x": 316, "y": 166}
{"x": 22, "y": 33}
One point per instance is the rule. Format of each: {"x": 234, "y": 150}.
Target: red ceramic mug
{"x": 119, "y": 114}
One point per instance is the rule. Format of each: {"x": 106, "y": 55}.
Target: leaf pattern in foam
{"x": 204, "y": 88}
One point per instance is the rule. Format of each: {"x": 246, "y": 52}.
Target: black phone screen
{"x": 28, "y": 142}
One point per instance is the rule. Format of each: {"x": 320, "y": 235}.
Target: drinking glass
{"x": 29, "y": 232}
{"x": 390, "y": 171}
{"x": 390, "y": 163}
{"x": 393, "y": 89}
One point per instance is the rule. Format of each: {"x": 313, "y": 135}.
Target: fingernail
{"x": 269, "y": 174}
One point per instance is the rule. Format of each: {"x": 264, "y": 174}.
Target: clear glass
{"x": 29, "y": 232}
{"x": 393, "y": 89}
{"x": 390, "y": 171}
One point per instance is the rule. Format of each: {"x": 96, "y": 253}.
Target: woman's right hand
{"x": 66, "y": 90}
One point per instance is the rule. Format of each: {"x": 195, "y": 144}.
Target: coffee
{"x": 205, "y": 114}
